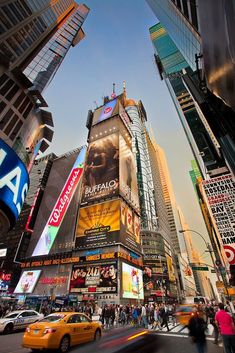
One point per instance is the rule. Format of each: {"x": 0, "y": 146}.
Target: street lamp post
{"x": 209, "y": 249}
{"x": 208, "y": 246}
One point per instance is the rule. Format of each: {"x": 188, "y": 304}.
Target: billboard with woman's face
{"x": 101, "y": 174}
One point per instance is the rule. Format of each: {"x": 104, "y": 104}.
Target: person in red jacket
{"x": 226, "y": 325}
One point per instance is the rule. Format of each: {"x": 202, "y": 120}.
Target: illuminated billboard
{"x": 130, "y": 227}
{"x": 14, "y": 181}
{"x": 107, "y": 223}
{"x": 171, "y": 272}
{"x": 105, "y": 112}
{"x": 98, "y": 224}
{"x": 27, "y": 281}
{"x": 132, "y": 282}
{"x": 102, "y": 169}
{"x": 128, "y": 175}
{"x": 100, "y": 278}
{"x": 219, "y": 195}
{"x": 60, "y": 208}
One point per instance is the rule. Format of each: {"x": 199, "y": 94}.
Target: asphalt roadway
{"x": 112, "y": 342}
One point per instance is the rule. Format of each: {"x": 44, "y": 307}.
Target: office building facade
{"x": 210, "y": 82}
{"x": 35, "y": 37}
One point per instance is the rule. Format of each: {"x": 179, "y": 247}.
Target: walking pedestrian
{"x": 197, "y": 327}
{"x": 144, "y": 316}
{"x": 211, "y": 317}
{"x": 227, "y": 328}
{"x": 164, "y": 316}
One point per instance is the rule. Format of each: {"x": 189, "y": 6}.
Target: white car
{"x": 17, "y": 320}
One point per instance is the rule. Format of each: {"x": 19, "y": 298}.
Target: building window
{"x": 24, "y": 104}
{"x": 11, "y": 124}
{"x": 6, "y": 87}
{"x": 2, "y": 106}
{"x": 12, "y": 92}
{"x": 19, "y": 100}
{"x": 6, "y": 118}
{"x": 193, "y": 7}
{"x": 16, "y": 130}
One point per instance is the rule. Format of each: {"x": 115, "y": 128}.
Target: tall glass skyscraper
{"x": 170, "y": 63}
{"x": 181, "y": 21}
{"x": 35, "y": 36}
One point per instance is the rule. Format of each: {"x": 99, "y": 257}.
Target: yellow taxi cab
{"x": 61, "y": 331}
{"x": 184, "y": 313}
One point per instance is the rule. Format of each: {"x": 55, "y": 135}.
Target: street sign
{"x": 196, "y": 268}
{"x": 213, "y": 271}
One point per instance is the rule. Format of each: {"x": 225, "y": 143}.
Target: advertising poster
{"x": 100, "y": 278}
{"x": 132, "y": 282}
{"x": 60, "y": 207}
{"x": 220, "y": 199}
{"x": 101, "y": 174}
{"x": 107, "y": 111}
{"x": 130, "y": 227}
{"x": 153, "y": 280}
{"x": 27, "y": 281}
{"x": 128, "y": 178}
{"x": 98, "y": 224}
{"x": 171, "y": 273}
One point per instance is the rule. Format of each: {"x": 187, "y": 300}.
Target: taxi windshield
{"x": 12, "y": 315}
{"x": 53, "y": 318}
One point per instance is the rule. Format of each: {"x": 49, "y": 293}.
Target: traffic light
{"x": 232, "y": 275}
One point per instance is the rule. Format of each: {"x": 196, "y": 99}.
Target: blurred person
{"x": 197, "y": 327}
{"x": 135, "y": 316}
{"x": 144, "y": 316}
{"x": 226, "y": 326}
{"x": 156, "y": 314}
{"x": 211, "y": 316}
{"x": 164, "y": 316}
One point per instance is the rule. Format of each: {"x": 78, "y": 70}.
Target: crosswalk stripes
{"x": 183, "y": 330}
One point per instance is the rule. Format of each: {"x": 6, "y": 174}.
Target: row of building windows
{"x": 12, "y": 14}
{"x": 10, "y": 122}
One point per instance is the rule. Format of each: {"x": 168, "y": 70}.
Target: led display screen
{"x": 132, "y": 282}
{"x": 128, "y": 175}
{"x": 27, "y": 281}
{"x": 95, "y": 278}
{"x": 60, "y": 208}
{"x": 14, "y": 180}
{"x": 105, "y": 112}
{"x": 102, "y": 169}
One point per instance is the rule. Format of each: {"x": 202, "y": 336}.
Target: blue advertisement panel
{"x": 14, "y": 180}
{"x": 108, "y": 110}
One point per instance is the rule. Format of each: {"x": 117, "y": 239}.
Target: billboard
{"x": 98, "y": 224}
{"x": 128, "y": 177}
{"x": 60, "y": 208}
{"x": 105, "y": 112}
{"x": 94, "y": 278}
{"x": 107, "y": 223}
{"x": 130, "y": 226}
{"x": 171, "y": 272}
{"x": 14, "y": 181}
{"x": 101, "y": 170}
{"x": 27, "y": 281}
{"x": 132, "y": 282}
{"x": 220, "y": 199}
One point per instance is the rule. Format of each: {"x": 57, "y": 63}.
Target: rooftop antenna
{"x": 113, "y": 95}
{"x": 124, "y": 86}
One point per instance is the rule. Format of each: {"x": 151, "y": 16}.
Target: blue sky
{"x": 117, "y": 47}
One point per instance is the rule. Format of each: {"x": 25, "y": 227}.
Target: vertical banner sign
{"x": 220, "y": 199}
{"x": 52, "y": 226}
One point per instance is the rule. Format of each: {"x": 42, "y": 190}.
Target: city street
{"x": 163, "y": 343}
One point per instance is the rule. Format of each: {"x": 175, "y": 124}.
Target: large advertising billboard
{"x": 14, "y": 181}
{"x": 100, "y": 278}
{"x": 98, "y": 224}
{"x": 132, "y": 282}
{"x": 128, "y": 175}
{"x": 27, "y": 281}
{"x": 105, "y": 112}
{"x": 220, "y": 199}
{"x": 60, "y": 208}
{"x": 101, "y": 174}
{"x": 107, "y": 223}
{"x": 130, "y": 226}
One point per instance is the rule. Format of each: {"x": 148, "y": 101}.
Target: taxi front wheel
{"x": 97, "y": 335}
{"x": 65, "y": 344}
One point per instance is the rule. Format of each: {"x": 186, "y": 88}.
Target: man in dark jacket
{"x": 197, "y": 327}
